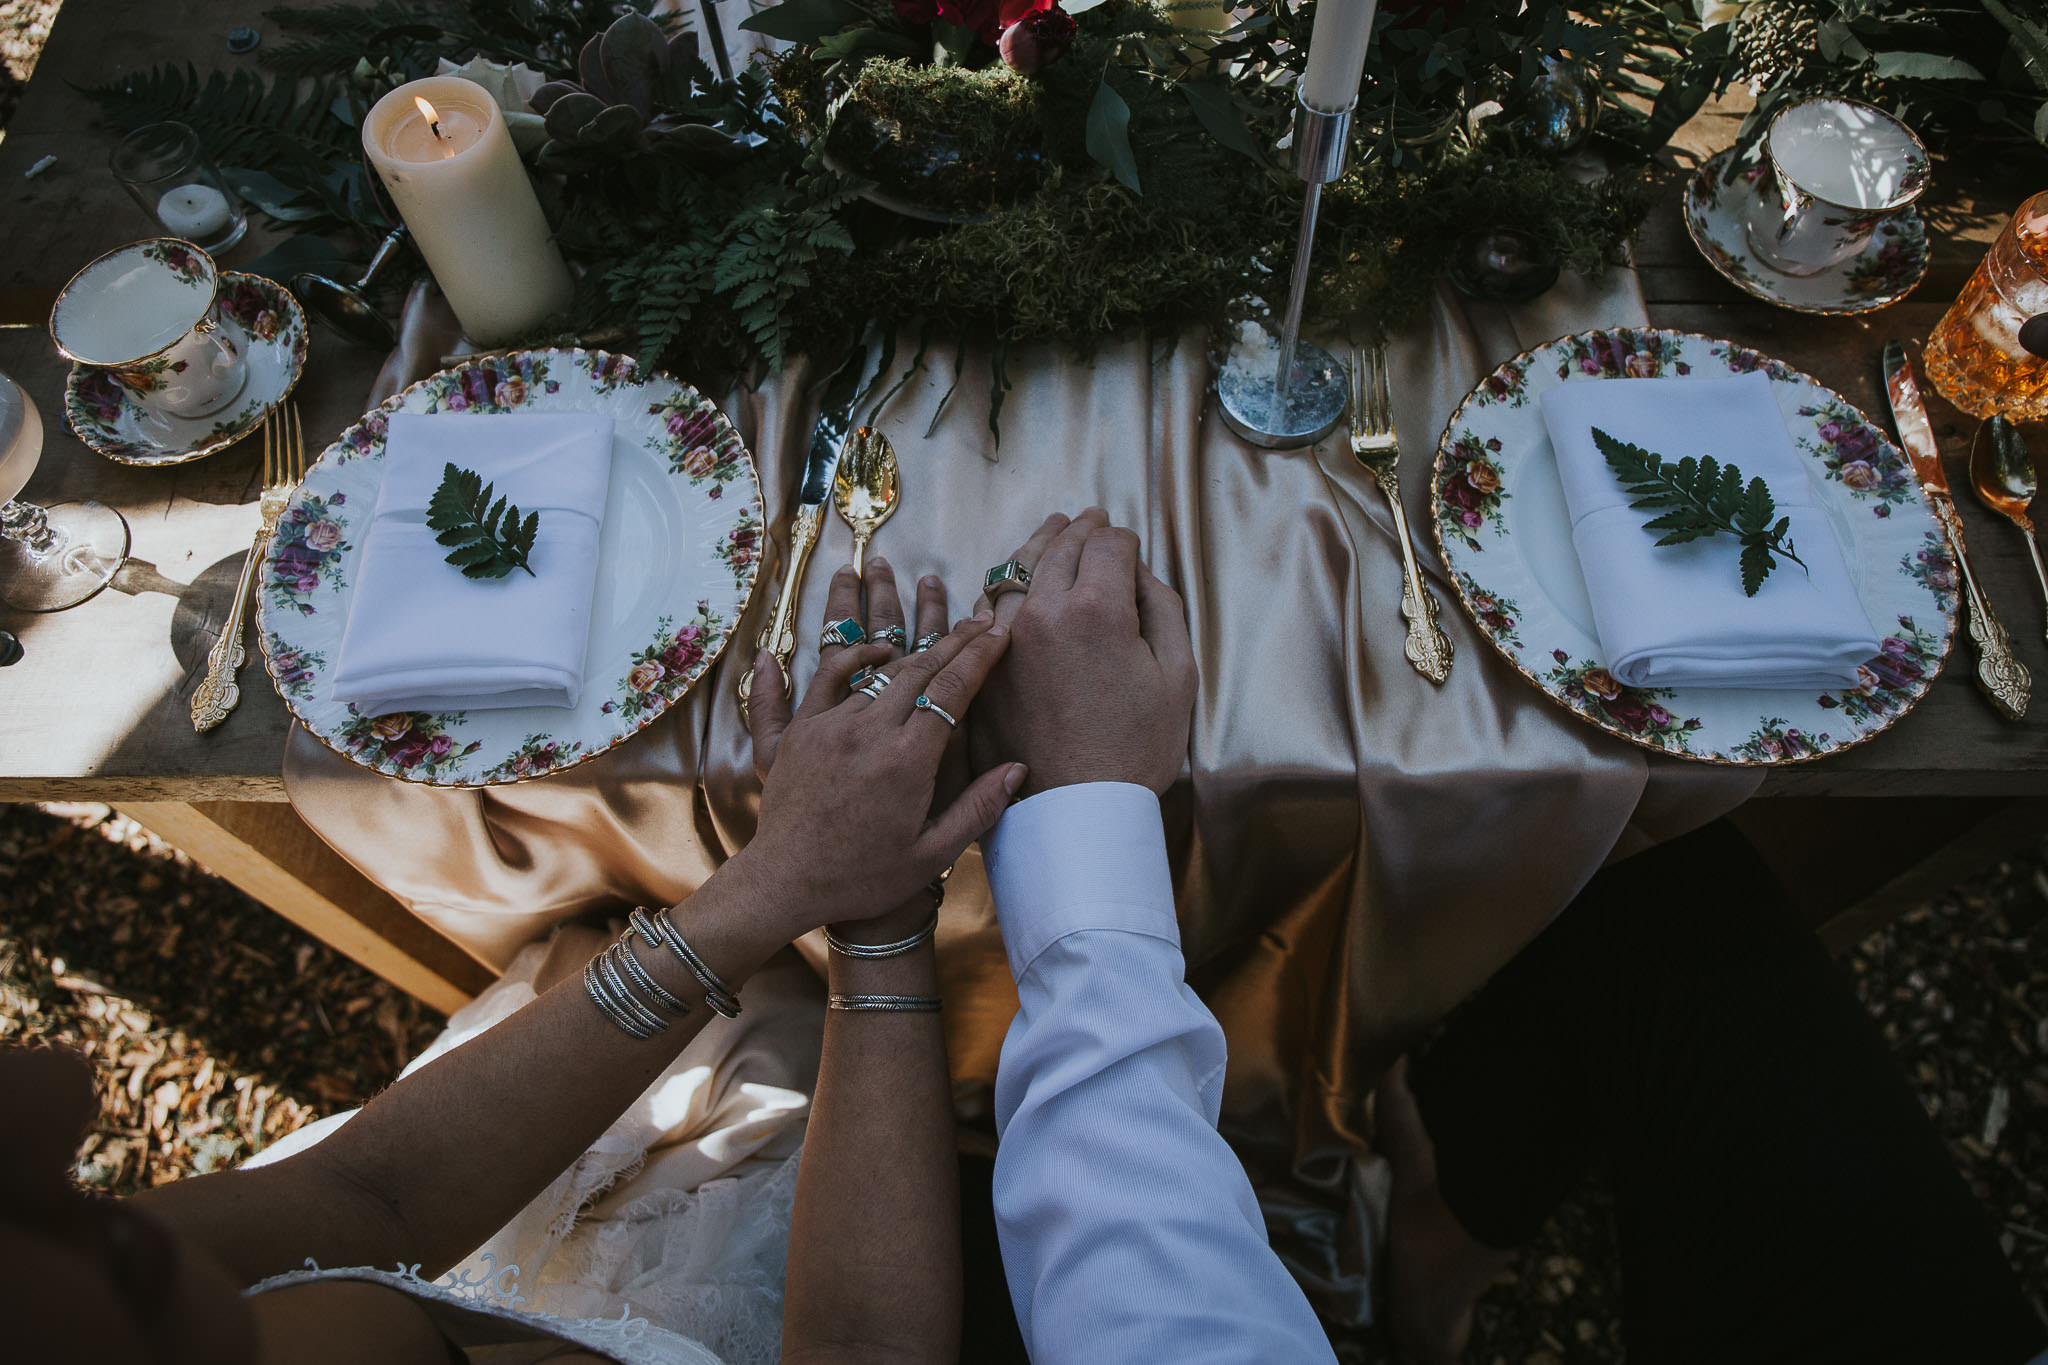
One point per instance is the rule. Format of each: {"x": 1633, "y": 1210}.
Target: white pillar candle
{"x": 1336, "y": 54}
{"x": 459, "y": 185}
{"x": 198, "y": 213}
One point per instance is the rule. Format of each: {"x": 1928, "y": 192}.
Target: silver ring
{"x": 870, "y": 685}
{"x": 1008, "y": 576}
{"x": 924, "y": 703}
{"x": 893, "y": 636}
{"x": 926, "y": 641}
{"x": 844, "y": 631}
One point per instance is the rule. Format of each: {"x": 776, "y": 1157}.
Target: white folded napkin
{"x": 1675, "y": 615}
{"x": 420, "y": 636}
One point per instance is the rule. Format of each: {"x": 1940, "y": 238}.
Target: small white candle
{"x": 441, "y": 147}
{"x": 198, "y": 213}
{"x": 1336, "y": 54}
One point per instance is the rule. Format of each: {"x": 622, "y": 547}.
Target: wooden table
{"x": 99, "y": 707}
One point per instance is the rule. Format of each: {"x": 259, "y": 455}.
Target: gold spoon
{"x": 2002, "y": 472}
{"x": 865, "y": 487}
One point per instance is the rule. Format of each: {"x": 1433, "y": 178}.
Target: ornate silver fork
{"x": 284, "y": 464}
{"x": 1375, "y": 445}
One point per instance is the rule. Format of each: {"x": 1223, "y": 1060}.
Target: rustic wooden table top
{"x": 99, "y": 709}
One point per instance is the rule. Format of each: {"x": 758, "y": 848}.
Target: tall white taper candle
{"x": 1336, "y": 54}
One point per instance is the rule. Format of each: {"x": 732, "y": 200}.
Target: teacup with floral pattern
{"x": 149, "y": 315}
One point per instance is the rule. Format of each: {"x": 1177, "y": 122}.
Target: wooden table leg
{"x": 264, "y": 848}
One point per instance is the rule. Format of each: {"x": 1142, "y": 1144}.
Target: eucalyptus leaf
{"x": 1109, "y": 136}
{"x": 1925, "y": 66}
{"x": 266, "y": 192}
{"x": 296, "y": 255}
{"x": 804, "y": 21}
{"x": 1218, "y": 112}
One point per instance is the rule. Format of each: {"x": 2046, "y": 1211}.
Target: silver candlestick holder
{"x": 1292, "y": 393}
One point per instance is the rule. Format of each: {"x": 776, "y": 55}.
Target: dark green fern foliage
{"x": 411, "y": 36}
{"x": 489, "y": 538}
{"x": 710, "y": 263}
{"x": 1702, "y": 498}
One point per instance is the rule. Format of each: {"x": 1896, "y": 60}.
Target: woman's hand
{"x": 848, "y": 827}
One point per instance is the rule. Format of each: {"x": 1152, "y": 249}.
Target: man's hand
{"x": 1098, "y": 684}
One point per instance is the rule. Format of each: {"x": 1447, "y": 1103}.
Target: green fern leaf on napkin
{"x": 490, "y": 539}
{"x": 1701, "y": 498}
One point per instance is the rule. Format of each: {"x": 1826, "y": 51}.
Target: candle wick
{"x": 436, "y": 126}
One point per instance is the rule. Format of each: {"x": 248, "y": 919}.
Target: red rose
{"x": 981, "y": 17}
{"x": 1038, "y": 40}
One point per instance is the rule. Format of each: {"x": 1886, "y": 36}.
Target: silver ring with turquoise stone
{"x": 1008, "y": 576}
{"x": 844, "y": 631}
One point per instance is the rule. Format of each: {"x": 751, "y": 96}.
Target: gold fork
{"x": 1375, "y": 445}
{"x": 284, "y": 464}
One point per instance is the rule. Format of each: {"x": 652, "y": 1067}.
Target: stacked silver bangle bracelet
{"x": 626, "y": 993}
{"x": 615, "y": 980}
{"x": 878, "y": 1004}
{"x": 878, "y": 950}
{"x": 659, "y": 931}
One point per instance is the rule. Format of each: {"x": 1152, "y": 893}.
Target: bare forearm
{"x": 436, "y": 1164}
{"x": 874, "y": 1254}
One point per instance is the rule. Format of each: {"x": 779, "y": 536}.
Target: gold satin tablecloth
{"x": 1355, "y": 848}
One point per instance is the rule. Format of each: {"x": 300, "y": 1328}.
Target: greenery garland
{"x": 716, "y": 233}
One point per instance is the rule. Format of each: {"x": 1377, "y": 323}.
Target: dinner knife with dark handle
{"x": 814, "y": 497}
{"x": 2003, "y": 677}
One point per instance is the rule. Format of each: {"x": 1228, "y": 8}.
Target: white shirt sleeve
{"x": 1129, "y": 1231}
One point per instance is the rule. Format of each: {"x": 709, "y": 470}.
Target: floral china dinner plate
{"x": 676, "y": 565}
{"x": 106, "y": 416}
{"x": 1885, "y": 271}
{"x": 1505, "y": 537}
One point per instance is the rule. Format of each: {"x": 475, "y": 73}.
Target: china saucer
{"x": 1884, "y": 272}
{"x": 111, "y": 420}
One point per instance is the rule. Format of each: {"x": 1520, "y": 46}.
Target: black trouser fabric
{"x": 1781, "y": 1196}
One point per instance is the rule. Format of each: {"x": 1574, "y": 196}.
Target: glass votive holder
{"x": 161, "y": 167}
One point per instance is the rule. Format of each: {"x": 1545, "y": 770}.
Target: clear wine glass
{"x": 51, "y": 557}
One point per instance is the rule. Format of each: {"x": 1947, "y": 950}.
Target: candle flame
{"x": 427, "y": 112}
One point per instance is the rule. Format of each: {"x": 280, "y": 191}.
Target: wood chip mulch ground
{"x": 217, "y": 1027}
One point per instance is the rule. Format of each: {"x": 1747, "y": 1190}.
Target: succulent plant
{"x": 635, "y": 89}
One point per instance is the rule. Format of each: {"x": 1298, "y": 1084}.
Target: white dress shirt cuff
{"x": 1089, "y": 856}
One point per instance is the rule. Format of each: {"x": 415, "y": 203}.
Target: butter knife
{"x": 814, "y": 496}
{"x": 2003, "y": 677}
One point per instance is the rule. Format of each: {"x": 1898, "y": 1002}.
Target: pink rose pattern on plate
{"x": 306, "y": 551}
{"x": 1469, "y": 487}
{"x": 294, "y": 669}
{"x": 741, "y": 547}
{"x": 1933, "y": 568}
{"x": 1474, "y": 481}
{"x": 537, "y": 755}
{"x": 495, "y": 384}
{"x": 1776, "y": 739}
{"x": 1858, "y": 457}
{"x": 701, "y": 444}
{"x": 1496, "y": 613}
{"x": 1640, "y": 711}
{"x": 1906, "y": 661}
{"x": 668, "y": 666}
{"x": 410, "y": 743}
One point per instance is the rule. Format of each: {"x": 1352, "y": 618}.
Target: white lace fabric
{"x": 666, "y": 1240}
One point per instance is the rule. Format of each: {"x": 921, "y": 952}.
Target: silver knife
{"x": 814, "y": 495}
{"x": 2003, "y": 677}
